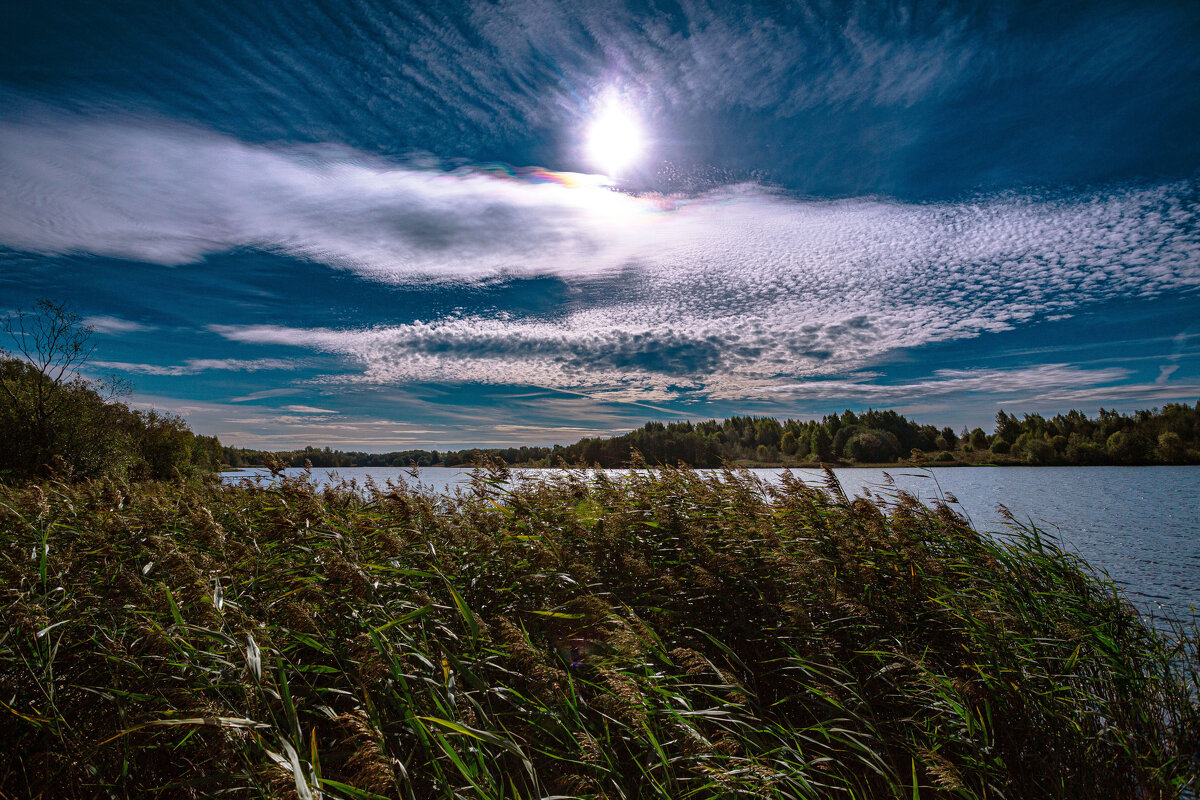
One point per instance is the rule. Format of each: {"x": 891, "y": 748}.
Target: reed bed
{"x": 660, "y": 634}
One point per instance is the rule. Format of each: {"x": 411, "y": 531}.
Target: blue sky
{"x": 379, "y": 225}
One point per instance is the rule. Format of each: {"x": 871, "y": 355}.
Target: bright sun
{"x": 614, "y": 138}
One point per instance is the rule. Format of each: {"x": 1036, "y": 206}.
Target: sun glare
{"x": 614, "y": 138}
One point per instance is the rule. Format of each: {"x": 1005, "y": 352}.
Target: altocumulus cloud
{"x": 724, "y": 293}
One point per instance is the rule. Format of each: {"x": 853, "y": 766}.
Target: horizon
{"x": 505, "y": 225}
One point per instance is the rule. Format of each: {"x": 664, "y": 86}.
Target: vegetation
{"x": 54, "y": 421}
{"x": 663, "y": 634}
{"x": 1170, "y": 435}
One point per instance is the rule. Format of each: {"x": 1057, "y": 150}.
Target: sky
{"x": 393, "y": 225}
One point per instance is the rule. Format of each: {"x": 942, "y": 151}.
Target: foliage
{"x": 55, "y": 421}
{"x": 659, "y": 634}
{"x": 1167, "y": 436}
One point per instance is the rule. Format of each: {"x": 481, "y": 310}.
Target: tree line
{"x": 1170, "y": 435}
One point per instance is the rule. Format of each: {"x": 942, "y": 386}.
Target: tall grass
{"x": 667, "y": 634}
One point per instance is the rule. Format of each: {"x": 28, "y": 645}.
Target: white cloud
{"x": 194, "y": 366}
{"x": 1142, "y": 393}
{"x": 957, "y": 382}
{"x": 724, "y": 293}
{"x": 114, "y": 326}
{"x": 442, "y": 427}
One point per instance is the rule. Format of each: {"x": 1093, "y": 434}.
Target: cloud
{"x": 114, "y": 326}
{"x": 725, "y": 293}
{"x": 1125, "y": 393}
{"x": 957, "y": 382}
{"x": 265, "y": 394}
{"x": 301, "y": 409}
{"x": 545, "y": 419}
{"x": 1165, "y": 372}
{"x": 194, "y": 366}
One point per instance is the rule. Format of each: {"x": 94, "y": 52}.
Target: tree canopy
{"x": 53, "y": 420}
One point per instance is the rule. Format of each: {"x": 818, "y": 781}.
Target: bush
{"x": 1039, "y": 452}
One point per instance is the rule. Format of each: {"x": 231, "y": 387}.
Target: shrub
{"x": 1039, "y": 451}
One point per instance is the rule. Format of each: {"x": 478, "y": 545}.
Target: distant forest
{"x": 1170, "y": 435}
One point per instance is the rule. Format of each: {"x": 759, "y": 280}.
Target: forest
{"x": 1167, "y": 435}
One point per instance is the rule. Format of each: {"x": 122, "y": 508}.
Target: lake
{"x": 1139, "y": 524}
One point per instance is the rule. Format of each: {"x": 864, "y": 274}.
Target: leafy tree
{"x": 1039, "y": 452}
{"x": 979, "y": 439}
{"x": 47, "y": 409}
{"x": 820, "y": 445}
{"x": 1008, "y": 427}
{"x": 873, "y": 446}
{"x": 951, "y": 438}
{"x": 53, "y": 419}
{"x": 1171, "y": 449}
{"x": 1126, "y": 448}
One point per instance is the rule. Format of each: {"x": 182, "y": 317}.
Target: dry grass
{"x": 659, "y": 635}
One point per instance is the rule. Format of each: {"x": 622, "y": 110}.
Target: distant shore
{"x": 1168, "y": 435}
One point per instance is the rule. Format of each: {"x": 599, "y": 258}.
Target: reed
{"x": 665, "y": 634}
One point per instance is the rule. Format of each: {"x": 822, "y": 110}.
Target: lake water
{"x": 1141, "y": 525}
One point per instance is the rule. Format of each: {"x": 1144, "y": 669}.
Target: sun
{"x": 614, "y": 138}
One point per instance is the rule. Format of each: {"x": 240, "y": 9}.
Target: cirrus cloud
{"x": 726, "y": 293}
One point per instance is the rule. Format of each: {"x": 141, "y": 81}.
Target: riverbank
{"x": 660, "y": 634}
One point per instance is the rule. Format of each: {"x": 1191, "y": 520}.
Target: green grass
{"x": 730, "y": 638}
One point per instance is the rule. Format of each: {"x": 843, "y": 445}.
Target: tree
{"x": 872, "y": 446}
{"x": 951, "y": 438}
{"x": 1171, "y": 449}
{"x": 788, "y": 443}
{"x": 1008, "y": 427}
{"x": 1126, "y": 448}
{"x": 820, "y": 444}
{"x": 1039, "y": 451}
{"x": 47, "y": 408}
